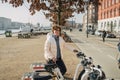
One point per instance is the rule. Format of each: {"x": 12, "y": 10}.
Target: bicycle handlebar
{"x": 80, "y": 55}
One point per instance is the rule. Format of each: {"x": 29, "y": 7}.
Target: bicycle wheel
{"x": 81, "y": 73}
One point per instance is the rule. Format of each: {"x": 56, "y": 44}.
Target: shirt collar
{"x": 56, "y": 37}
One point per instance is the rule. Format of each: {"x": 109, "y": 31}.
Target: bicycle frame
{"x": 88, "y": 68}
{"x": 76, "y": 71}
{"x": 55, "y": 74}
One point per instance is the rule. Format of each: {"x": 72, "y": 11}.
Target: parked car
{"x": 111, "y": 35}
{"x": 80, "y": 29}
{"x": 90, "y": 31}
{"x": 66, "y": 37}
{"x": 98, "y": 33}
{"x": 8, "y": 33}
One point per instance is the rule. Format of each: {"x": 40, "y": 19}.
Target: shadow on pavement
{"x": 112, "y": 40}
{"x": 76, "y": 41}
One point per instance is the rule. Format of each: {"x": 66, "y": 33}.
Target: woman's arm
{"x": 47, "y": 49}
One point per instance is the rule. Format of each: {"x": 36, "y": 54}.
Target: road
{"x": 103, "y": 53}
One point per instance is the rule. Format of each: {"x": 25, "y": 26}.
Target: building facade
{"x": 5, "y": 23}
{"x": 16, "y": 25}
{"x": 90, "y": 18}
{"x": 109, "y": 15}
{"x": 70, "y": 24}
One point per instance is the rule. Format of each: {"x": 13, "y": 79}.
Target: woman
{"x": 118, "y": 54}
{"x": 54, "y": 46}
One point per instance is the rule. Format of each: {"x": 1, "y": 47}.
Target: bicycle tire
{"x": 81, "y": 73}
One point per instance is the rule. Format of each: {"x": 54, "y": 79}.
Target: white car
{"x": 98, "y": 33}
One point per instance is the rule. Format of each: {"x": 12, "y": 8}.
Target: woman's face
{"x": 56, "y": 32}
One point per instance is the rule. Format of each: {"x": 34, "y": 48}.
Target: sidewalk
{"x": 112, "y": 42}
{"x": 103, "y": 53}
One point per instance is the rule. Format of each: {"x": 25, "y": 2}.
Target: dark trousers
{"x": 61, "y": 66}
{"x": 103, "y": 39}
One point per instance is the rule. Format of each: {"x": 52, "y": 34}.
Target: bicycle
{"x": 89, "y": 71}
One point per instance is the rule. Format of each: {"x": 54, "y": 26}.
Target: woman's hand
{"x": 54, "y": 59}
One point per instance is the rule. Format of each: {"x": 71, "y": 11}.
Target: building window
{"x": 99, "y": 7}
{"x": 102, "y": 15}
{"x": 93, "y": 10}
{"x": 114, "y": 12}
{"x": 103, "y": 6}
{"x": 107, "y": 14}
{"x": 110, "y": 13}
{"x": 112, "y": 2}
{"x": 101, "y": 25}
{"x": 107, "y": 24}
{"x": 119, "y": 23}
{"x": 119, "y": 10}
{"x": 108, "y": 3}
{"x": 104, "y": 24}
{"x": 93, "y": 16}
{"x": 117, "y": 1}
{"x": 114, "y": 24}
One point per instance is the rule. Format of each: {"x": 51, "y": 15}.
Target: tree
{"x": 56, "y": 11}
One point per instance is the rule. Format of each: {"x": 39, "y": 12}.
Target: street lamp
{"x": 87, "y": 5}
{"x": 73, "y": 20}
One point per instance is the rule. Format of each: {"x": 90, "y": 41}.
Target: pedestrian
{"x": 118, "y": 46}
{"x": 104, "y": 35}
{"x": 70, "y": 29}
{"x": 31, "y": 31}
{"x": 54, "y": 45}
{"x": 118, "y": 54}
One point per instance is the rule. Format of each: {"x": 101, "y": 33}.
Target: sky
{"x": 22, "y": 14}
